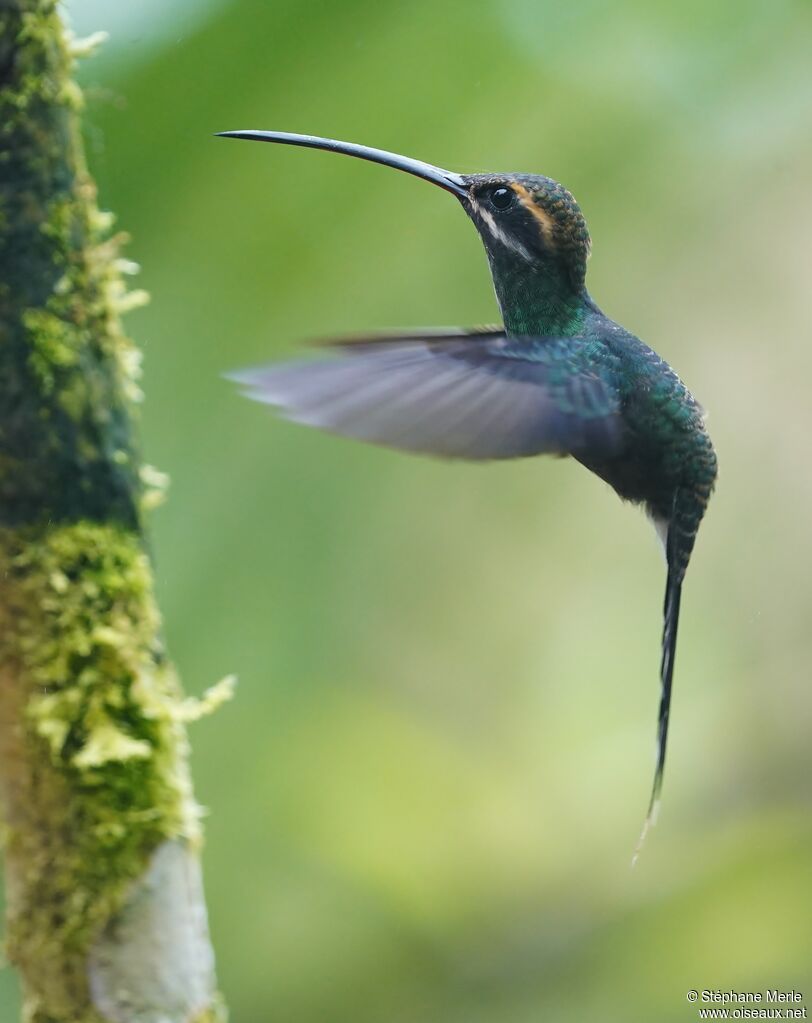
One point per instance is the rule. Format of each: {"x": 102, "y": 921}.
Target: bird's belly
{"x": 637, "y": 476}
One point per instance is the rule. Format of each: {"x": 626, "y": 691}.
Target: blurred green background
{"x": 425, "y": 797}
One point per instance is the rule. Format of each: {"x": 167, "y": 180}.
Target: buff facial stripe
{"x": 545, "y": 221}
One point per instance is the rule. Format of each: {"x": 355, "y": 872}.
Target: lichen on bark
{"x": 95, "y": 788}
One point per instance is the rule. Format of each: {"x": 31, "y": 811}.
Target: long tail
{"x": 673, "y": 590}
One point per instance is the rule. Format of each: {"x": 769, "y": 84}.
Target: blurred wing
{"x": 466, "y": 394}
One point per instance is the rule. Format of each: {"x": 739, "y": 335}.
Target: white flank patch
{"x": 661, "y": 526}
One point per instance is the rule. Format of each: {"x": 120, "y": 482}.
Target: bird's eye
{"x": 502, "y": 198}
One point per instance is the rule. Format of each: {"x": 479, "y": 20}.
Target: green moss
{"x": 103, "y": 711}
{"x": 53, "y": 346}
{"x": 85, "y": 637}
{"x": 93, "y": 748}
{"x": 62, "y": 295}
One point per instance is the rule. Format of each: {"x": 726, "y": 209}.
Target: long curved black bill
{"x": 454, "y": 183}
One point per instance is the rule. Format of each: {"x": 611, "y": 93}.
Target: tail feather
{"x": 673, "y": 590}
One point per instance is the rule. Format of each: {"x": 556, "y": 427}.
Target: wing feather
{"x": 474, "y": 395}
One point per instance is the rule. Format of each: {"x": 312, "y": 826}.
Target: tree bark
{"x": 106, "y": 918}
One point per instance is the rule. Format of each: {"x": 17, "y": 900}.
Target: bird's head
{"x": 531, "y": 218}
{"x": 529, "y": 224}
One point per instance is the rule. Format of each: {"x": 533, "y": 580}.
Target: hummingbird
{"x": 558, "y": 377}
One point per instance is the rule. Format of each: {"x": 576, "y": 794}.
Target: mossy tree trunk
{"x": 106, "y": 919}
